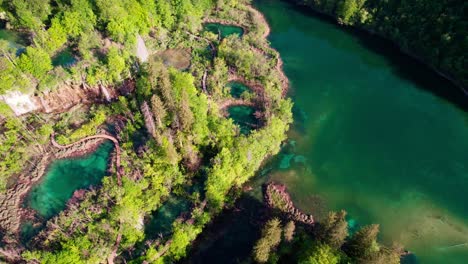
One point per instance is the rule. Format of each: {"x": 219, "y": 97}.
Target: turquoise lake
{"x": 64, "y": 177}
{"x": 371, "y": 137}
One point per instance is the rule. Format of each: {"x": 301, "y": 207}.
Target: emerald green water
{"x": 65, "y": 176}
{"x": 236, "y": 89}
{"x": 15, "y": 40}
{"x": 65, "y": 58}
{"x": 223, "y": 30}
{"x": 161, "y": 221}
{"x": 370, "y": 138}
{"x": 9, "y": 35}
{"x": 243, "y": 116}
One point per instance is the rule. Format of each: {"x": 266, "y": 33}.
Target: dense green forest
{"x": 84, "y": 26}
{"x": 434, "y": 30}
{"x": 173, "y": 132}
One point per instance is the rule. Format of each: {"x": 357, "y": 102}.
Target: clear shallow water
{"x": 370, "y": 138}
{"x": 224, "y": 30}
{"x": 15, "y": 40}
{"x": 161, "y": 220}
{"x": 236, "y": 89}
{"x": 243, "y": 116}
{"x": 63, "y": 177}
{"x": 64, "y": 58}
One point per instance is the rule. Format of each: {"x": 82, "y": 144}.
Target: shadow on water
{"x": 160, "y": 222}
{"x": 243, "y": 116}
{"x": 413, "y": 70}
{"x": 402, "y": 64}
{"x": 231, "y": 236}
{"x": 64, "y": 58}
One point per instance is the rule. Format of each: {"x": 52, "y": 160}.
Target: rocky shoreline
{"x": 277, "y": 197}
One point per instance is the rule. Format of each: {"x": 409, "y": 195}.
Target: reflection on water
{"x": 370, "y": 138}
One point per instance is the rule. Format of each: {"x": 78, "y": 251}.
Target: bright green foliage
{"x": 45, "y": 131}
{"x": 192, "y": 106}
{"x": 218, "y": 78}
{"x": 10, "y": 161}
{"x": 115, "y": 64}
{"x": 333, "y": 230}
{"x": 248, "y": 63}
{"x": 79, "y": 19}
{"x": 35, "y": 61}
{"x": 54, "y": 38}
{"x": 124, "y": 19}
{"x": 83, "y": 24}
{"x": 319, "y": 254}
{"x": 182, "y": 237}
{"x": 190, "y": 131}
{"x": 85, "y": 130}
{"x": 165, "y": 15}
{"x": 271, "y": 237}
{"x": 237, "y": 164}
{"x": 11, "y": 77}
{"x": 346, "y": 10}
{"x": 19, "y": 140}
{"x": 29, "y": 14}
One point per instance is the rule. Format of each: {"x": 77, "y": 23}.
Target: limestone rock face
{"x": 63, "y": 98}
{"x": 19, "y": 102}
{"x": 141, "y": 50}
